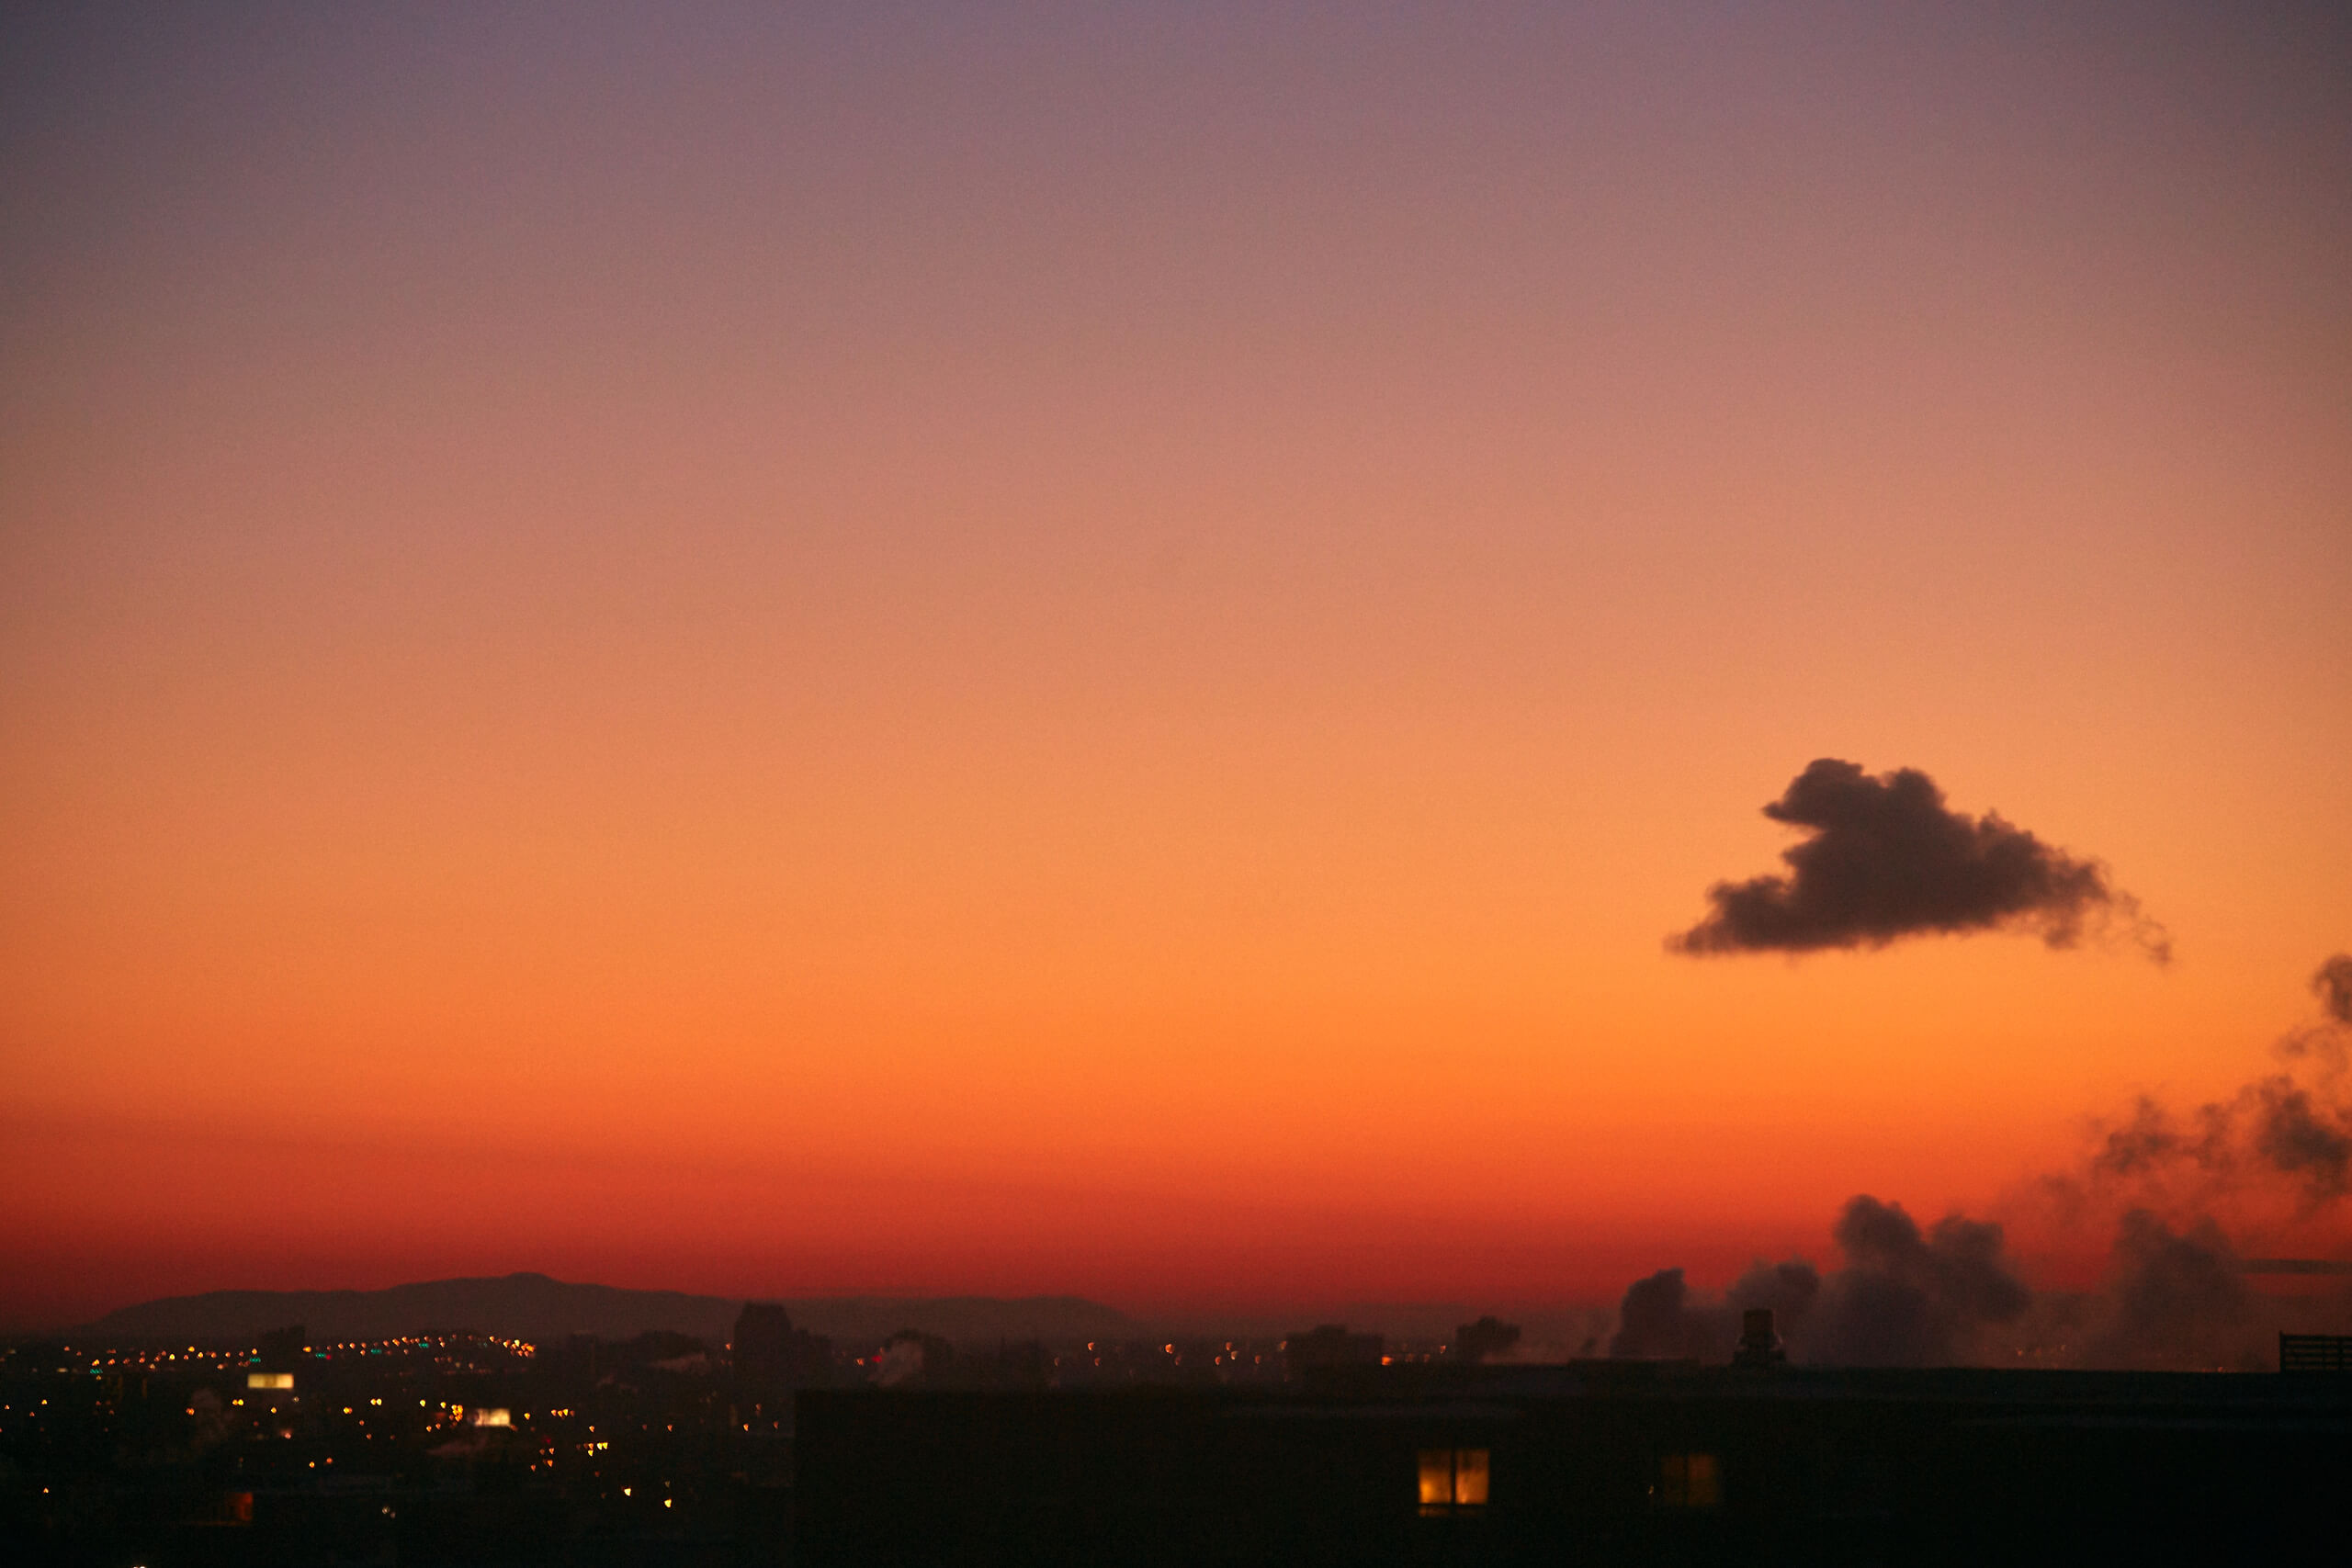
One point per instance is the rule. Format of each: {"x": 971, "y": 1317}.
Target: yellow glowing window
{"x": 1453, "y": 1478}
{"x": 1689, "y": 1481}
{"x": 269, "y": 1380}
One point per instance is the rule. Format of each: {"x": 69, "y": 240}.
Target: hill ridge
{"x": 539, "y": 1308}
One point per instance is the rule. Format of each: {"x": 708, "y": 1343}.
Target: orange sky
{"x": 1070, "y": 651}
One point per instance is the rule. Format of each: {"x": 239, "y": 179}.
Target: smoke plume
{"x": 2287, "y": 1133}
{"x": 1656, "y": 1319}
{"x": 1910, "y": 1300}
{"x": 1887, "y": 859}
{"x": 1905, "y": 1298}
{"x": 2174, "y": 1300}
{"x": 2333, "y": 984}
{"x": 2270, "y": 1164}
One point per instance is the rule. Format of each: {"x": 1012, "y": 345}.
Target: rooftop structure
{"x": 2316, "y": 1352}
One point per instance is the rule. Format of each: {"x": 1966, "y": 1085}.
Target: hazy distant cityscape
{"x": 441, "y": 1446}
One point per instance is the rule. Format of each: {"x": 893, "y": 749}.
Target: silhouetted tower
{"x": 763, "y": 1346}
{"x": 1330, "y": 1345}
{"x": 771, "y": 1358}
{"x": 1488, "y": 1337}
{"x": 281, "y": 1348}
{"x": 1758, "y": 1345}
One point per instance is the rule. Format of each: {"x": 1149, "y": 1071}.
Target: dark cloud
{"x": 1887, "y": 859}
{"x": 2333, "y": 984}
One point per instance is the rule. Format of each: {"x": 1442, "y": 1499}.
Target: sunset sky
{"x": 781, "y": 649}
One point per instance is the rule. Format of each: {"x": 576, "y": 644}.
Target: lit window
{"x": 1437, "y": 1477}
{"x": 1451, "y": 1479}
{"x": 1688, "y": 1481}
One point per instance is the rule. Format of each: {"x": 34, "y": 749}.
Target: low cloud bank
{"x": 1887, "y": 859}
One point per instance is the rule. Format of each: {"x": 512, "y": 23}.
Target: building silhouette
{"x": 1596, "y": 1462}
{"x": 773, "y": 1357}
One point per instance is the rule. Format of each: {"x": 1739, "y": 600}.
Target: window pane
{"x": 1705, "y": 1490}
{"x": 1437, "y": 1475}
{"x": 1470, "y": 1475}
{"x": 1673, "y": 1481}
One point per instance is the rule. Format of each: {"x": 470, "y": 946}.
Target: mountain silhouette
{"x": 541, "y": 1310}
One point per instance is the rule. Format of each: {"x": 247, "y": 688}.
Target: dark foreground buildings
{"x": 1593, "y": 1462}
{"x": 467, "y": 1451}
